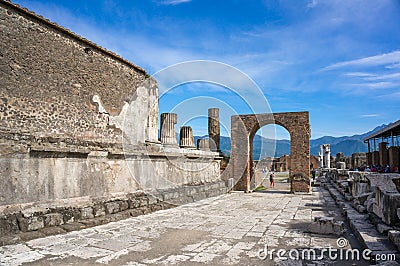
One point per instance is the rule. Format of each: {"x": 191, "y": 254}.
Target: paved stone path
{"x": 228, "y": 229}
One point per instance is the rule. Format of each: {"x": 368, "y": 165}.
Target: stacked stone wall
{"x": 50, "y": 76}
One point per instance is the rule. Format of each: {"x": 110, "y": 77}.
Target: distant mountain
{"x": 263, "y": 147}
{"x": 348, "y": 147}
{"x": 346, "y": 144}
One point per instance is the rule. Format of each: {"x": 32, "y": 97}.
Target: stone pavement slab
{"x": 231, "y": 229}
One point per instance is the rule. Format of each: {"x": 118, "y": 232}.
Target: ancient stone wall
{"x": 77, "y": 121}
{"x": 358, "y": 159}
{"x": 56, "y": 84}
{"x": 313, "y": 161}
{"x": 41, "y": 176}
{"x": 80, "y": 212}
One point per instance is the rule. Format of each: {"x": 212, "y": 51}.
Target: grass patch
{"x": 260, "y": 188}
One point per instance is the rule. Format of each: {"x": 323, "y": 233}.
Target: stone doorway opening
{"x": 271, "y": 154}
{"x": 243, "y": 130}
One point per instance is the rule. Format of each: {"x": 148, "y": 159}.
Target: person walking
{"x": 271, "y": 180}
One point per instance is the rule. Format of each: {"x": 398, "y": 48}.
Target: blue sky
{"x": 339, "y": 60}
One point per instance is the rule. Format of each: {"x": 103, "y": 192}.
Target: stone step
{"x": 364, "y": 230}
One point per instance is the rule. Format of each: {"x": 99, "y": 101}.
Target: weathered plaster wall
{"x": 45, "y": 176}
{"x": 49, "y": 78}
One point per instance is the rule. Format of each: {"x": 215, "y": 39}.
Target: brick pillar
{"x": 375, "y": 157}
{"x": 393, "y": 157}
{"x": 214, "y": 127}
{"x": 167, "y": 134}
{"x": 383, "y": 154}
{"x": 240, "y": 154}
{"x": 369, "y": 158}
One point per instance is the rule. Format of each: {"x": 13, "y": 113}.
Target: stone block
{"x": 55, "y": 230}
{"x": 363, "y": 197}
{"x": 394, "y": 236}
{"x": 170, "y": 195}
{"x": 143, "y": 201}
{"x": 360, "y": 208}
{"x": 388, "y": 205}
{"x": 369, "y": 205}
{"x": 152, "y": 199}
{"x": 376, "y": 210}
{"x": 112, "y": 207}
{"x": 383, "y": 228}
{"x": 99, "y": 210}
{"x": 74, "y": 226}
{"x": 326, "y": 225}
{"x": 32, "y": 223}
{"x": 348, "y": 197}
{"x": 87, "y": 213}
{"x": 53, "y": 219}
{"x": 70, "y": 215}
{"x": 134, "y": 203}
{"x": 123, "y": 205}
{"x": 8, "y": 224}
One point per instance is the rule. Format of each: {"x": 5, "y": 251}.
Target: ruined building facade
{"x": 79, "y": 123}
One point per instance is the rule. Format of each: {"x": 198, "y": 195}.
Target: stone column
{"x": 393, "y": 157}
{"x": 203, "y": 144}
{"x": 321, "y": 157}
{"x": 326, "y": 149}
{"x": 214, "y": 127}
{"x": 375, "y": 157}
{"x": 186, "y": 137}
{"x": 369, "y": 158}
{"x": 167, "y": 134}
{"x": 383, "y": 154}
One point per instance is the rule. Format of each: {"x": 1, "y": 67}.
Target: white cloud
{"x": 376, "y": 60}
{"x": 376, "y": 85}
{"x": 397, "y": 65}
{"x": 173, "y": 2}
{"x": 369, "y": 115}
{"x": 358, "y": 74}
{"x": 383, "y": 77}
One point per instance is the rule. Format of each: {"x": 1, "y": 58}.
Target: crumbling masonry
{"x": 244, "y": 127}
{"x": 79, "y": 132}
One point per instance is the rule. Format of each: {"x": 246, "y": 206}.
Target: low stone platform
{"x": 27, "y": 221}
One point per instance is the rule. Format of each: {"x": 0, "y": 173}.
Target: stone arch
{"x": 243, "y": 129}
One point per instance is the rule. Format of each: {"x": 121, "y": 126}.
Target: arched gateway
{"x": 243, "y": 129}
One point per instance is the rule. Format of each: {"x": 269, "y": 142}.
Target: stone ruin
{"x": 324, "y": 156}
{"x": 374, "y": 194}
{"x": 355, "y": 161}
{"x": 244, "y": 127}
{"x": 79, "y": 134}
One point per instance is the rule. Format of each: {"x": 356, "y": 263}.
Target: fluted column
{"x": 214, "y": 128}
{"x": 167, "y": 134}
{"x": 186, "y": 137}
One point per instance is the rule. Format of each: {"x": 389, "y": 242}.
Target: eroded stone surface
{"x": 225, "y": 230}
